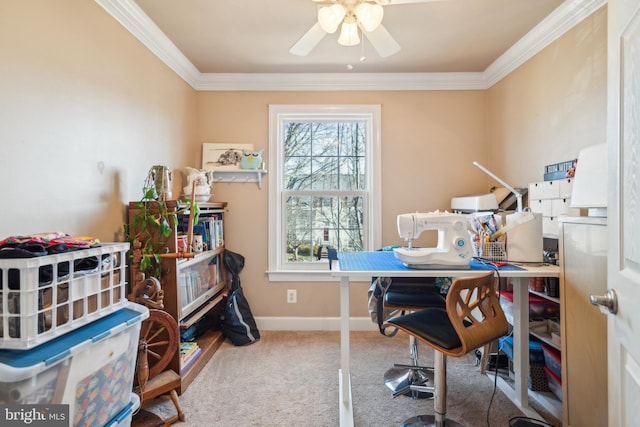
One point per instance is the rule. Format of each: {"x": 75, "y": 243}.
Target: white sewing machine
{"x": 454, "y": 245}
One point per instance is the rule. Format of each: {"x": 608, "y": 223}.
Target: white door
{"x": 623, "y": 271}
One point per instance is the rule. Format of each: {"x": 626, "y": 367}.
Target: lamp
{"x": 365, "y": 15}
{"x": 349, "y": 32}
{"x": 517, "y": 193}
{"x": 330, "y": 17}
{"x": 369, "y": 15}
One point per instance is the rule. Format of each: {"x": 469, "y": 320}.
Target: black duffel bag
{"x": 236, "y": 320}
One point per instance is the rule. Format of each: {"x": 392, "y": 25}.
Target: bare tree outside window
{"x": 323, "y": 175}
{"x": 324, "y": 185}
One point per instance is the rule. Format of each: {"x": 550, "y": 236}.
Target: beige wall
{"x": 555, "y": 104}
{"x": 542, "y": 113}
{"x": 85, "y": 110}
{"x": 429, "y": 141}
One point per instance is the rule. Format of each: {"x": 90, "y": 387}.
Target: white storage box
{"x": 44, "y": 297}
{"x": 91, "y": 369}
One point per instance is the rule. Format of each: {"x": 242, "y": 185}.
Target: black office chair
{"x": 407, "y": 294}
{"x": 472, "y": 318}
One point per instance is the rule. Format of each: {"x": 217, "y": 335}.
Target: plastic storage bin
{"x": 44, "y": 297}
{"x": 537, "y": 379}
{"x": 536, "y": 355}
{"x": 553, "y": 360}
{"x": 555, "y": 384}
{"x": 91, "y": 369}
{"x": 539, "y": 307}
{"x": 125, "y": 417}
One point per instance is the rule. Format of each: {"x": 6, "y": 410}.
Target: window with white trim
{"x": 324, "y": 185}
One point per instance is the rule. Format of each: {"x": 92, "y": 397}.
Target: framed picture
{"x": 223, "y": 156}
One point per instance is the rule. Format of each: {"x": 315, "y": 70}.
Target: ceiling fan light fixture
{"x": 369, "y": 15}
{"x": 330, "y": 17}
{"x": 349, "y": 34}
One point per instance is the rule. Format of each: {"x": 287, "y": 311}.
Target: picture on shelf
{"x": 223, "y": 156}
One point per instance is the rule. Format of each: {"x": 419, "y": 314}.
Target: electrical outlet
{"x": 292, "y": 296}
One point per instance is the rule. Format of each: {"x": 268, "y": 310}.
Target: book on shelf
{"x": 189, "y": 351}
{"x": 213, "y": 272}
{"x": 219, "y": 234}
{"x": 209, "y": 226}
{"x": 187, "y": 347}
{"x": 195, "y": 284}
{"x": 201, "y": 227}
{"x": 218, "y": 271}
{"x": 184, "y": 364}
{"x": 183, "y": 224}
{"x": 188, "y": 287}
{"x": 208, "y": 223}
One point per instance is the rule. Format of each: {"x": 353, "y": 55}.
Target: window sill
{"x": 312, "y": 276}
{"x": 302, "y": 276}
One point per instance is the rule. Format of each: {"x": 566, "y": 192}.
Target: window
{"x": 324, "y": 183}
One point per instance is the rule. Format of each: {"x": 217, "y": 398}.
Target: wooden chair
{"x": 472, "y": 318}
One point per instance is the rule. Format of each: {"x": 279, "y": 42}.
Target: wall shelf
{"x": 239, "y": 176}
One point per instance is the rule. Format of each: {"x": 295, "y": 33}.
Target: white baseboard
{"x": 313, "y": 324}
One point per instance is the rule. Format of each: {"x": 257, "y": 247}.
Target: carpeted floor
{"x": 290, "y": 378}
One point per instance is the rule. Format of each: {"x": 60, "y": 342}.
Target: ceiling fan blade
{"x": 382, "y": 41}
{"x": 308, "y": 41}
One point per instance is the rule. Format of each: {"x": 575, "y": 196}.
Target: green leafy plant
{"x": 152, "y": 222}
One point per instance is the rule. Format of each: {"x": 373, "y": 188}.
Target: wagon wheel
{"x": 158, "y": 343}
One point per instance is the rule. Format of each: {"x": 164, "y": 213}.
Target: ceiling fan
{"x": 354, "y": 15}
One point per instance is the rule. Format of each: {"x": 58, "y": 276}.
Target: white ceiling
{"x": 210, "y": 42}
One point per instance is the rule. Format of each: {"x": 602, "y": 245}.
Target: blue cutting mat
{"x": 387, "y": 261}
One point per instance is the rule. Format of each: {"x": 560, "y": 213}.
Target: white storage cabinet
{"x": 553, "y": 200}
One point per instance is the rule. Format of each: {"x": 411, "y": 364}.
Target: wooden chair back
{"x": 474, "y": 310}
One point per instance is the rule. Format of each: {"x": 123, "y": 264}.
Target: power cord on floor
{"x": 513, "y": 422}
{"x": 495, "y": 379}
{"x": 496, "y": 364}
{"x": 528, "y": 422}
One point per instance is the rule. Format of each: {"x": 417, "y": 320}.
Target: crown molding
{"x": 133, "y": 19}
{"x": 566, "y": 16}
{"x": 341, "y": 81}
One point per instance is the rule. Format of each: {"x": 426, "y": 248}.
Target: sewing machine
{"x": 454, "y": 246}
